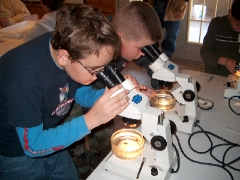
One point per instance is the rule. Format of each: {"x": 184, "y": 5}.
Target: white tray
{"x": 17, "y": 30}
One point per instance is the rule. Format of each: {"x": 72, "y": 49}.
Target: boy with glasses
{"x": 39, "y": 81}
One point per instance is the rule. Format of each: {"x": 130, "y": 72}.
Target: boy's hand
{"x": 107, "y": 107}
{"x": 141, "y": 88}
{"x": 134, "y": 81}
{"x": 149, "y": 92}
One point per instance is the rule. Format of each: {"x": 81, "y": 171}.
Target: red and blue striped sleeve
{"x": 37, "y": 142}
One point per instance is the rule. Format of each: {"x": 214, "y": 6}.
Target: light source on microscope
{"x": 131, "y": 123}
{"x": 127, "y": 144}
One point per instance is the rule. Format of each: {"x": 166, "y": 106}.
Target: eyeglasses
{"x": 93, "y": 72}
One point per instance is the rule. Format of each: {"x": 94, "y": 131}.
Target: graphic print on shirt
{"x": 64, "y": 105}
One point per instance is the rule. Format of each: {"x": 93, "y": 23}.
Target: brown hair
{"x": 137, "y": 20}
{"x": 83, "y": 31}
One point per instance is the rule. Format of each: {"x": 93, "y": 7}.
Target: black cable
{"x": 223, "y": 164}
{"x": 210, "y": 150}
{"x": 238, "y": 97}
{"x": 235, "y": 160}
{"x": 178, "y": 160}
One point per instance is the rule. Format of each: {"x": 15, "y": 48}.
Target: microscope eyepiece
{"x": 147, "y": 51}
{"x": 110, "y": 76}
{"x": 152, "y": 52}
{"x": 106, "y": 79}
{"x": 114, "y": 73}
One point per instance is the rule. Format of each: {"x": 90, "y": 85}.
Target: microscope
{"x": 233, "y": 85}
{"x": 184, "y": 90}
{"x": 145, "y": 152}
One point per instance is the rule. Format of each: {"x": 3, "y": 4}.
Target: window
{"x": 200, "y": 14}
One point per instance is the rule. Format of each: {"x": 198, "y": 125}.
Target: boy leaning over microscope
{"x": 138, "y": 25}
{"x": 39, "y": 80}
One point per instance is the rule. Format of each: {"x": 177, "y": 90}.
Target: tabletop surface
{"x": 219, "y": 120}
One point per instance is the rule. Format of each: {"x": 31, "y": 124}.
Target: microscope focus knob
{"x": 159, "y": 143}
{"x": 188, "y": 95}
{"x": 154, "y": 171}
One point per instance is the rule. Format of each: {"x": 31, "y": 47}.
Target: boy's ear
{"x": 121, "y": 35}
{"x": 62, "y": 57}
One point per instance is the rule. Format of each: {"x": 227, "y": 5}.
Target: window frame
{"x": 190, "y": 19}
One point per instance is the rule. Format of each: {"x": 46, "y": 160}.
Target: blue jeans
{"x": 53, "y": 167}
{"x": 171, "y": 29}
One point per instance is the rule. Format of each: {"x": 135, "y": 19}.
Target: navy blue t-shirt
{"x": 33, "y": 90}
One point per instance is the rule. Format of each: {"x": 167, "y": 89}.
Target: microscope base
{"x": 186, "y": 127}
{"x": 130, "y": 168}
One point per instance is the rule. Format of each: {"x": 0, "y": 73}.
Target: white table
{"x": 217, "y": 120}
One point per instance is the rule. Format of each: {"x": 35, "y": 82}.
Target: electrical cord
{"x": 223, "y": 164}
{"x": 178, "y": 160}
{"x": 229, "y": 103}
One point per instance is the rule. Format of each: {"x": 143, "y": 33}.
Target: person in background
{"x": 171, "y": 13}
{"x": 47, "y": 22}
{"x": 11, "y": 12}
{"x": 221, "y": 50}
{"x": 39, "y": 80}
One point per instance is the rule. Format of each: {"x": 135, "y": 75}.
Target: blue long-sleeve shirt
{"x": 35, "y": 96}
{"x": 38, "y": 142}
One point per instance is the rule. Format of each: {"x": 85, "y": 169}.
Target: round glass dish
{"x": 163, "y": 100}
{"x": 127, "y": 144}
